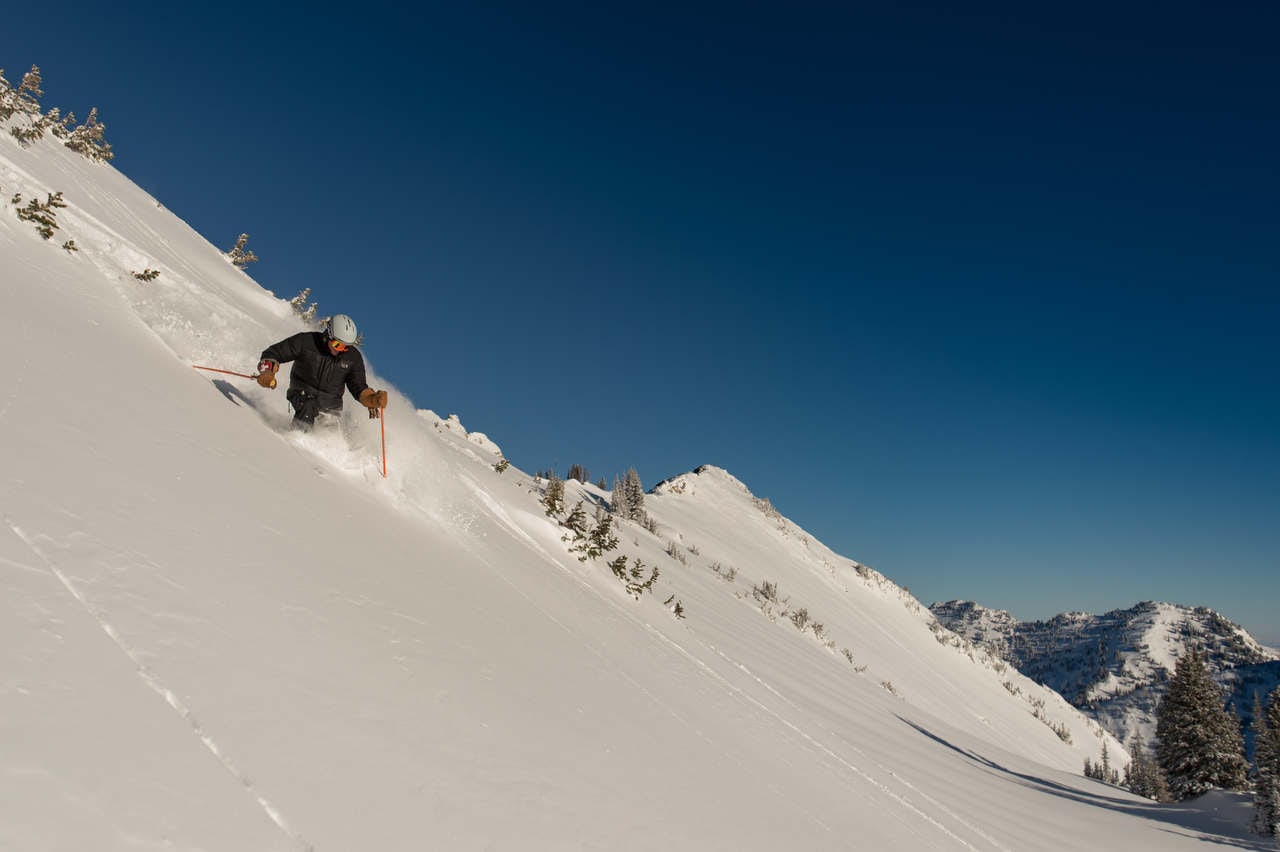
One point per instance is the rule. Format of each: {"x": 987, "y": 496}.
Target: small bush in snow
{"x": 501, "y": 465}
{"x": 42, "y": 214}
{"x": 763, "y": 504}
{"x": 800, "y": 618}
{"x": 70, "y": 245}
{"x": 677, "y": 553}
{"x": 766, "y": 591}
{"x": 147, "y": 274}
{"x": 727, "y": 574}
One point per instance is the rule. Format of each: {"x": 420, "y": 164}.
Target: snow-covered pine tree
{"x": 1266, "y": 761}
{"x": 64, "y": 126}
{"x": 618, "y": 499}
{"x": 242, "y": 258}
{"x": 553, "y": 496}
{"x": 25, "y": 101}
{"x": 601, "y": 538}
{"x": 8, "y": 98}
{"x": 1200, "y": 746}
{"x": 635, "y": 495}
{"x": 87, "y": 139}
{"x": 27, "y": 97}
{"x": 577, "y": 524}
{"x": 299, "y": 305}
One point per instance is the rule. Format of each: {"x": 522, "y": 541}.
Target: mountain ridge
{"x": 1116, "y": 666}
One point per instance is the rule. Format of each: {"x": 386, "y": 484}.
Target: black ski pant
{"x": 306, "y": 407}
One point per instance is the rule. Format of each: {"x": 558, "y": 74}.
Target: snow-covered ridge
{"x": 1115, "y": 666}
{"x": 218, "y": 634}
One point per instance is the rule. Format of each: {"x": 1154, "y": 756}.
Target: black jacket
{"x": 317, "y": 370}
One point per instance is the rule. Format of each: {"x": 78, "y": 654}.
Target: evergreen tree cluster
{"x": 1200, "y": 743}
{"x": 627, "y": 498}
{"x": 1103, "y": 770}
{"x": 1266, "y": 761}
{"x": 23, "y": 103}
{"x": 1143, "y": 776}
{"x": 589, "y": 540}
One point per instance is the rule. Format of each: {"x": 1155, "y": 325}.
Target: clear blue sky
{"x": 985, "y": 299}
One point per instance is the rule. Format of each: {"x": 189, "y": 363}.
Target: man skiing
{"x": 323, "y": 363}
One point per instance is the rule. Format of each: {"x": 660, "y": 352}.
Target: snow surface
{"x": 218, "y": 634}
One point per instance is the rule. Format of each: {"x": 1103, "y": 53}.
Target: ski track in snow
{"x": 902, "y": 801}
{"x": 151, "y": 680}
{"x": 730, "y": 688}
{"x": 20, "y": 373}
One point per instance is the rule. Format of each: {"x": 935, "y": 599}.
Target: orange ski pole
{"x": 228, "y": 372}
{"x": 382, "y": 415}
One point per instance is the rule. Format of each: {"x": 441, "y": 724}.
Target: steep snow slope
{"x": 220, "y": 635}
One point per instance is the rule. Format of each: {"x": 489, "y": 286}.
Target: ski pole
{"x": 382, "y": 415}
{"x": 228, "y": 372}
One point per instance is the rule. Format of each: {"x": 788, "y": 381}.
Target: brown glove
{"x": 373, "y": 400}
{"x": 267, "y": 373}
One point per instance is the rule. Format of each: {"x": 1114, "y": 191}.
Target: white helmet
{"x": 341, "y": 327}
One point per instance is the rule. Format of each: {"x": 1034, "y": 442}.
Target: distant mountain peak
{"x": 1115, "y": 666}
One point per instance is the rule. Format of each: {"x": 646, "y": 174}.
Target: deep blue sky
{"x": 987, "y": 300}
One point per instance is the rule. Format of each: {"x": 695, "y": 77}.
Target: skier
{"x": 324, "y": 362}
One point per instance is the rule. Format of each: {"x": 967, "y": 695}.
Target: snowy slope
{"x": 222, "y": 635}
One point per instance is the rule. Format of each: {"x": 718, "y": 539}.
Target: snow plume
{"x": 219, "y": 634}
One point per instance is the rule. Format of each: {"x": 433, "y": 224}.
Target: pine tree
{"x": 6, "y": 97}
{"x": 618, "y": 499}
{"x": 1200, "y": 745}
{"x": 1266, "y": 761}
{"x": 601, "y": 539}
{"x": 553, "y": 496}
{"x": 635, "y": 495}
{"x": 242, "y": 258}
{"x": 27, "y": 98}
{"x": 579, "y": 473}
{"x": 1142, "y": 776}
{"x": 577, "y": 524}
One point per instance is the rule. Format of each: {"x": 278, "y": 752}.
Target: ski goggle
{"x": 337, "y": 345}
